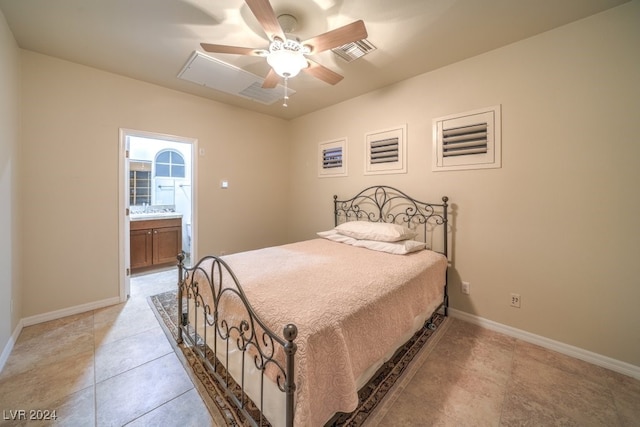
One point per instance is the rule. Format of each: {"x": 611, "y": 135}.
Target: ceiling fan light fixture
{"x": 287, "y": 58}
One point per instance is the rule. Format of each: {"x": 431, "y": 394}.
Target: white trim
{"x": 52, "y": 315}
{"x": 70, "y": 311}
{"x": 123, "y": 223}
{"x": 9, "y": 347}
{"x": 123, "y": 198}
{"x": 569, "y": 350}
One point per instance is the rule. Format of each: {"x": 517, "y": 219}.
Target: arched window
{"x": 170, "y": 163}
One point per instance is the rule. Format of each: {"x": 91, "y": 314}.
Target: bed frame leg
{"x": 290, "y": 333}
{"x": 180, "y": 319}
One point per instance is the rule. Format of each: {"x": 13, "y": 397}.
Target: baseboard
{"x": 45, "y": 317}
{"x": 83, "y": 308}
{"x": 9, "y": 347}
{"x": 569, "y": 350}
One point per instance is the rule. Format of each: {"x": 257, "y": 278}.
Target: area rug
{"x": 374, "y": 397}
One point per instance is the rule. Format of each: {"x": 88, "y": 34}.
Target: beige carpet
{"x": 374, "y": 398}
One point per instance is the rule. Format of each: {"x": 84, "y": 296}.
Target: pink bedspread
{"x": 349, "y": 304}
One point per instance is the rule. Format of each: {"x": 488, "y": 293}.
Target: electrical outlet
{"x": 464, "y": 288}
{"x": 515, "y": 300}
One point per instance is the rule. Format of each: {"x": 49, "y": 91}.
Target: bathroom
{"x": 160, "y": 188}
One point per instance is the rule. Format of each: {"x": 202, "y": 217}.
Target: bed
{"x": 291, "y": 333}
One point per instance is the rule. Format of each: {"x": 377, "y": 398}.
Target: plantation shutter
{"x": 460, "y": 141}
{"x": 470, "y": 140}
{"x": 332, "y": 158}
{"x": 384, "y": 151}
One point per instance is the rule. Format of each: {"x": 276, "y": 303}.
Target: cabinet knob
{"x": 155, "y": 231}
{"x": 148, "y": 232}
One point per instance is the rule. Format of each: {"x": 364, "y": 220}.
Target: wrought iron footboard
{"x": 211, "y": 295}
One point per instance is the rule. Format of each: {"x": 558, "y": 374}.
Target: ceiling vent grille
{"x": 267, "y": 96}
{"x": 212, "y": 73}
{"x": 354, "y": 50}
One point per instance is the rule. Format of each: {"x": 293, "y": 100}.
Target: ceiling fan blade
{"x": 267, "y": 18}
{"x": 338, "y": 37}
{"x": 220, "y": 48}
{"x": 323, "y": 73}
{"x": 271, "y": 80}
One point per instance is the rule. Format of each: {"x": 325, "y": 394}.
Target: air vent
{"x": 266, "y": 96}
{"x": 212, "y": 73}
{"x": 354, "y": 50}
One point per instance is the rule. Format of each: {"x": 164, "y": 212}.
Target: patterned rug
{"x": 371, "y": 396}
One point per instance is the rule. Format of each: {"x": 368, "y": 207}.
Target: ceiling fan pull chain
{"x": 286, "y": 97}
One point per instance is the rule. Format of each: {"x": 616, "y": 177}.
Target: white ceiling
{"x": 151, "y": 40}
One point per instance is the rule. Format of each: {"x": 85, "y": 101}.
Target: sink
{"x": 154, "y": 215}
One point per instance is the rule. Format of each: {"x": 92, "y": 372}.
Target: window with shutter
{"x": 332, "y": 158}
{"x": 468, "y": 140}
{"x": 385, "y": 151}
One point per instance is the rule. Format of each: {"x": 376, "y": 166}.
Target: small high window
{"x": 332, "y": 158}
{"x": 170, "y": 163}
{"x": 468, "y": 140}
{"x": 385, "y": 151}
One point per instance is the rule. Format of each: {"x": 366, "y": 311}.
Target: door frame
{"x": 123, "y": 200}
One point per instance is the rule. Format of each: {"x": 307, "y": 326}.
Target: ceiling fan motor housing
{"x": 288, "y": 23}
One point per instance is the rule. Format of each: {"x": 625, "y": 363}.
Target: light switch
{"x": 224, "y": 184}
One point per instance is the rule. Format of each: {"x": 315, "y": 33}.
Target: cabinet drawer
{"x": 155, "y": 223}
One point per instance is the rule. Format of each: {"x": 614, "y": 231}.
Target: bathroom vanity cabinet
{"x": 154, "y": 242}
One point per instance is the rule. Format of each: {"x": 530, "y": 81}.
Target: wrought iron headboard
{"x": 381, "y": 203}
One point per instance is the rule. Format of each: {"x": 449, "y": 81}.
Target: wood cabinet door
{"x": 141, "y": 248}
{"x": 167, "y": 243}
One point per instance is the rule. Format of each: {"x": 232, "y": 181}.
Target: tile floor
{"x": 115, "y": 367}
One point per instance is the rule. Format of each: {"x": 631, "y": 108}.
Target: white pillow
{"x": 336, "y": 237}
{"x": 398, "y": 248}
{"x": 380, "y": 231}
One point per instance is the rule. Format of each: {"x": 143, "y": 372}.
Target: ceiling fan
{"x": 286, "y": 54}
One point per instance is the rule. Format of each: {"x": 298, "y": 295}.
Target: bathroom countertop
{"x": 154, "y": 215}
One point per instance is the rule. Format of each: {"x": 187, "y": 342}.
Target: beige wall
{"x": 558, "y": 223}
{"x": 9, "y": 194}
{"x": 69, "y": 178}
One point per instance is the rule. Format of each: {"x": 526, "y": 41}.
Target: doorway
{"x": 157, "y": 187}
